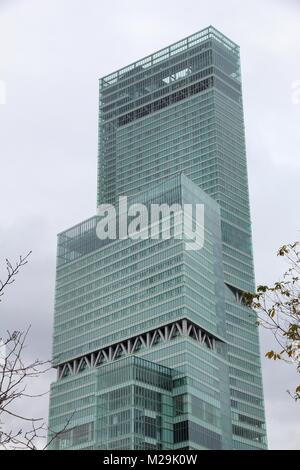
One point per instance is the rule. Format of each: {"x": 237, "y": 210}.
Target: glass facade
{"x": 153, "y": 345}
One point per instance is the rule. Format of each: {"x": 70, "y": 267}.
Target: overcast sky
{"x": 52, "y": 53}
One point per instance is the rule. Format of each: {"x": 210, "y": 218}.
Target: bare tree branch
{"x": 16, "y": 374}
{"x": 12, "y": 271}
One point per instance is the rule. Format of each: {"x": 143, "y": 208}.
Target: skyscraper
{"x": 153, "y": 345}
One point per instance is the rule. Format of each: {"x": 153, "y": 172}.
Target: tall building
{"x": 153, "y": 345}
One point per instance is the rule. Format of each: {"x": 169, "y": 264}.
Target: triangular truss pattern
{"x": 137, "y": 343}
{"x": 239, "y": 294}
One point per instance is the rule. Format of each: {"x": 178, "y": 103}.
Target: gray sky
{"x": 52, "y": 53}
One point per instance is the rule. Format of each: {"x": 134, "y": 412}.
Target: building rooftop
{"x": 170, "y": 51}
